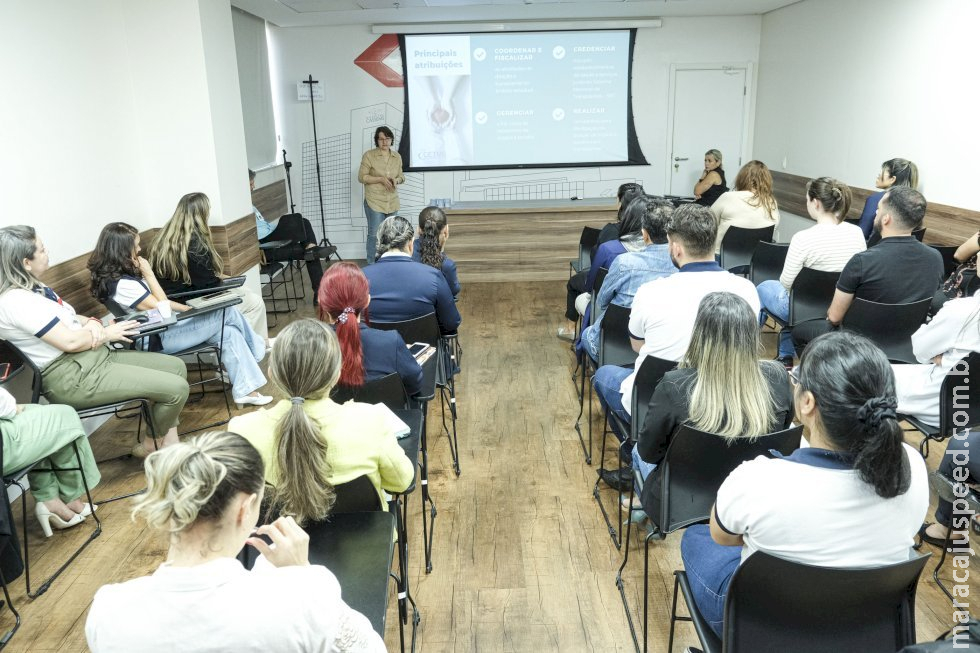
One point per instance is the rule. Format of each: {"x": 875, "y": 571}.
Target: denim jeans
{"x": 709, "y": 568}
{"x": 966, "y": 448}
{"x": 775, "y": 301}
{"x": 374, "y": 220}
{"x": 606, "y": 382}
{"x": 241, "y": 349}
{"x": 642, "y": 466}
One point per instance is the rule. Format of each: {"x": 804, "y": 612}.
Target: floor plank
{"x": 522, "y": 560}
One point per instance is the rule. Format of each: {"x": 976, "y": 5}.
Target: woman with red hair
{"x": 367, "y": 353}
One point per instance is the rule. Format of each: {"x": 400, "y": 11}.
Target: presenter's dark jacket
{"x": 385, "y": 352}
{"x": 403, "y": 289}
{"x": 448, "y": 269}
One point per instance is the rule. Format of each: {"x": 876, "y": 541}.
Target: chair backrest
{"x": 777, "y": 605}
{"x": 767, "y": 262}
{"x": 890, "y": 326}
{"x": 959, "y": 396}
{"x": 648, "y": 376}
{"x": 811, "y": 294}
{"x": 614, "y": 337}
{"x": 419, "y": 329}
{"x": 600, "y": 278}
{"x": 697, "y": 463}
{"x": 24, "y": 379}
{"x": 388, "y": 390}
{"x": 739, "y": 244}
{"x": 358, "y": 495}
{"x": 919, "y": 234}
{"x": 947, "y": 252}
{"x": 588, "y": 240}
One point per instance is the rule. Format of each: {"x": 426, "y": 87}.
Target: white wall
{"x": 113, "y": 110}
{"x": 328, "y": 54}
{"x": 845, "y": 85}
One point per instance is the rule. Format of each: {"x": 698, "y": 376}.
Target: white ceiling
{"x": 297, "y": 13}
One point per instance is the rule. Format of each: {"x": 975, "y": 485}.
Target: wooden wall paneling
{"x": 238, "y": 244}
{"x": 271, "y": 200}
{"x": 945, "y": 225}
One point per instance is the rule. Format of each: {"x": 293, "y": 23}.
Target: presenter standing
{"x": 380, "y": 172}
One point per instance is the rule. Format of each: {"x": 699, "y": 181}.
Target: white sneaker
{"x": 565, "y": 334}
{"x": 257, "y": 400}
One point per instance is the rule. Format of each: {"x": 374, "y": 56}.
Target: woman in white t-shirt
{"x": 77, "y": 367}
{"x": 205, "y": 495}
{"x": 750, "y": 205}
{"x": 854, "y": 498}
{"x": 121, "y": 275}
{"x": 827, "y": 246}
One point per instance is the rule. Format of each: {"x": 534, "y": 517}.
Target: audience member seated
{"x": 298, "y": 231}
{"x": 961, "y": 465}
{"x": 403, "y": 289}
{"x": 631, "y": 270}
{"x": 854, "y": 498}
{"x": 894, "y": 173}
{"x": 78, "y": 368}
{"x": 308, "y": 442}
{"x": 827, "y": 246}
{"x": 750, "y": 205}
{"x": 33, "y": 433}
{"x": 955, "y": 285}
{"x": 121, "y": 275}
{"x": 719, "y": 387}
{"x": 711, "y": 185}
{"x": 205, "y": 496}
{"x": 579, "y": 282}
{"x": 951, "y": 335}
{"x": 183, "y": 257}
{"x": 898, "y": 270}
{"x": 430, "y": 243}
{"x": 663, "y": 312}
{"x": 367, "y": 353}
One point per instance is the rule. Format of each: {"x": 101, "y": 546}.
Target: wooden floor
{"x": 522, "y": 561}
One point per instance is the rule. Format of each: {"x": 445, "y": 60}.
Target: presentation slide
{"x": 525, "y": 99}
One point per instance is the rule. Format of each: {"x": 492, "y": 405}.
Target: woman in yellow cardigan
{"x": 309, "y": 443}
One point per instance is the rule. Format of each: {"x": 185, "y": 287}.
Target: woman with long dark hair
{"x": 310, "y": 443}
{"x": 432, "y": 236}
{"x": 854, "y": 498}
{"x": 367, "y": 353}
{"x": 205, "y": 496}
{"x": 120, "y": 275}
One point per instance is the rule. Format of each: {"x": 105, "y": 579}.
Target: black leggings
{"x": 297, "y": 229}
{"x": 576, "y": 286}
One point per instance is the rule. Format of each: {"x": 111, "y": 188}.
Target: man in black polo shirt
{"x": 898, "y": 270}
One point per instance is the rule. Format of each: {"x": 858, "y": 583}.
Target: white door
{"x": 708, "y": 112}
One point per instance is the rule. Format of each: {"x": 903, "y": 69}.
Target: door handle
{"x": 678, "y": 158}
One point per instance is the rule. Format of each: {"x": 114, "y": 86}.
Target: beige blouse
{"x": 375, "y": 163}
{"x": 733, "y": 209}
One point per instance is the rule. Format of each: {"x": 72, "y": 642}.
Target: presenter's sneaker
{"x": 565, "y": 334}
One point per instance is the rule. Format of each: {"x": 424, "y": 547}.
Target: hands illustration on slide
{"x": 442, "y": 113}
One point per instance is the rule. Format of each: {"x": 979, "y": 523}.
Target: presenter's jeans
{"x": 606, "y": 382}
{"x": 709, "y": 568}
{"x": 103, "y": 376}
{"x": 241, "y": 348}
{"x": 45, "y": 433}
{"x": 374, "y": 220}
{"x": 775, "y": 301}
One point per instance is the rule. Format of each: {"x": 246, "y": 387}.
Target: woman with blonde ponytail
{"x": 310, "y": 443}
{"x": 204, "y": 494}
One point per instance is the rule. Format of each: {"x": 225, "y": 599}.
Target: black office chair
{"x": 648, "y": 376}
{"x": 777, "y": 605}
{"x": 952, "y": 401}
{"x": 767, "y": 262}
{"x": 357, "y": 495}
{"x": 919, "y": 234}
{"x": 588, "y": 240}
{"x": 11, "y": 565}
{"x": 890, "y": 326}
{"x": 694, "y": 467}
{"x": 198, "y": 353}
{"x": 584, "y": 366}
{"x": 950, "y": 491}
{"x": 738, "y": 246}
{"x": 388, "y": 390}
{"x": 949, "y": 262}
{"x": 811, "y": 295}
